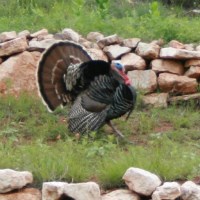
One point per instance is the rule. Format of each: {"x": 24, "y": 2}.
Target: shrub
{"x": 183, "y": 3}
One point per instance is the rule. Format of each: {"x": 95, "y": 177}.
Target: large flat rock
{"x": 11, "y": 179}
{"x": 115, "y": 51}
{"x": 148, "y": 51}
{"x": 141, "y": 181}
{"x": 132, "y": 61}
{"x": 171, "y": 66}
{"x": 23, "y": 194}
{"x": 5, "y": 36}
{"x": 121, "y": 194}
{"x": 174, "y": 53}
{"x": 156, "y": 99}
{"x": 145, "y": 80}
{"x": 177, "y": 84}
{"x": 17, "y": 73}
{"x": 109, "y": 40}
{"x": 13, "y": 46}
{"x": 77, "y": 191}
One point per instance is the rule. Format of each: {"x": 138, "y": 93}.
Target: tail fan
{"x": 52, "y": 68}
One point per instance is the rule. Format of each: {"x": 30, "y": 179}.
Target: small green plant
{"x": 154, "y": 9}
{"x": 183, "y": 3}
{"x": 103, "y": 7}
{"x": 10, "y": 133}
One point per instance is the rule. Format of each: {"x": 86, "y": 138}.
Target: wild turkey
{"x": 99, "y": 91}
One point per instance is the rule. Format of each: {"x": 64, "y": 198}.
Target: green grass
{"x": 35, "y": 140}
{"x": 27, "y": 118}
{"x": 146, "y": 20}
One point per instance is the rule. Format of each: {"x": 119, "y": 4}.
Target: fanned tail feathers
{"x": 52, "y": 68}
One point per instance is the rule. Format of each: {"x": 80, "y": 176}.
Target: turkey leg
{"x": 115, "y": 130}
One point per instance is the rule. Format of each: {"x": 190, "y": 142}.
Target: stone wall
{"x": 161, "y": 71}
{"x": 141, "y": 185}
{"x": 172, "y": 69}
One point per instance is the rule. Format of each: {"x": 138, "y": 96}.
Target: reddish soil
{"x": 163, "y": 127}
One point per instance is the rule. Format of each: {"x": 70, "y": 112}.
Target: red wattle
{"x": 126, "y": 78}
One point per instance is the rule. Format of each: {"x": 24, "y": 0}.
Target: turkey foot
{"x": 115, "y": 130}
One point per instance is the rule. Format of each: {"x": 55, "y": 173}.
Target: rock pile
{"x": 173, "y": 69}
{"x": 141, "y": 185}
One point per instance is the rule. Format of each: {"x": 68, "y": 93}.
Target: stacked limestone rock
{"x": 141, "y": 185}
{"x": 12, "y": 185}
{"x": 172, "y": 70}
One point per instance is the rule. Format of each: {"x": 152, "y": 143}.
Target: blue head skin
{"x": 119, "y": 66}
{"x": 121, "y": 76}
